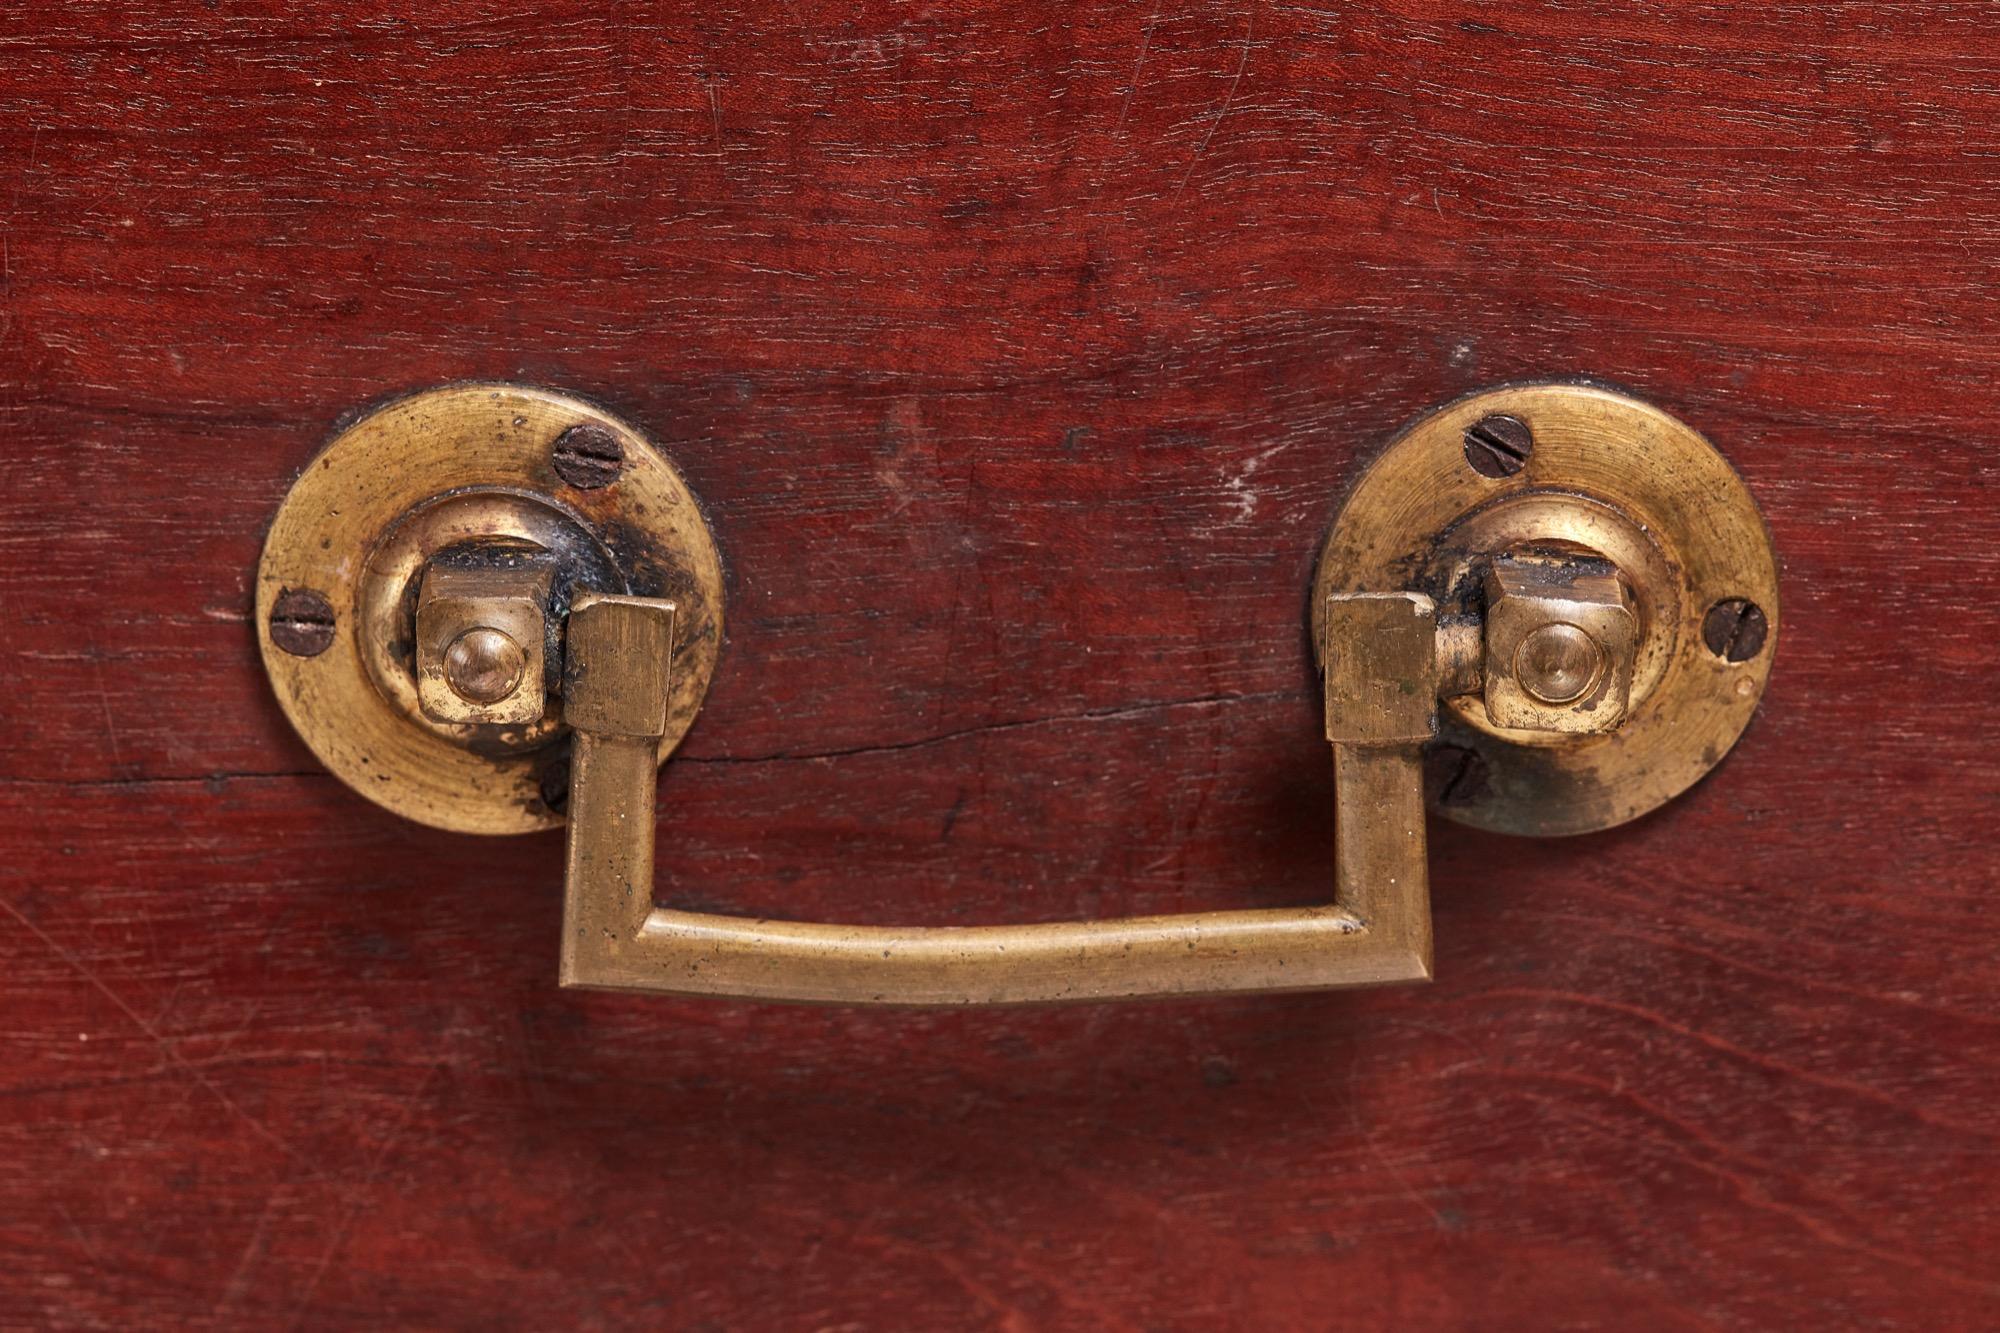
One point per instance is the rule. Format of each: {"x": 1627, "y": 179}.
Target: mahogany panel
{"x": 1021, "y": 353}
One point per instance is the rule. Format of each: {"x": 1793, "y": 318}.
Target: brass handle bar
{"x": 1381, "y": 690}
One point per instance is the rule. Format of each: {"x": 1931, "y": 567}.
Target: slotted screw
{"x": 1734, "y": 629}
{"x": 588, "y": 456}
{"x": 302, "y": 622}
{"x": 1498, "y": 446}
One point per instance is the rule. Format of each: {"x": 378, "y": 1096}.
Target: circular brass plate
{"x": 448, "y": 460}
{"x": 1619, "y": 477}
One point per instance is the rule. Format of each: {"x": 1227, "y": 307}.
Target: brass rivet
{"x": 1558, "y": 663}
{"x": 483, "y": 665}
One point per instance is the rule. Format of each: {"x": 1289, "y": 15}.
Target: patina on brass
{"x": 1381, "y": 698}
{"x": 1604, "y": 483}
{"x": 439, "y": 481}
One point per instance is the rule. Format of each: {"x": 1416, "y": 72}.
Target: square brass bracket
{"x": 1561, "y": 639}
{"x": 481, "y": 635}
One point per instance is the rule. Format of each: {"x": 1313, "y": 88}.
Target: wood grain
{"x": 1021, "y": 353}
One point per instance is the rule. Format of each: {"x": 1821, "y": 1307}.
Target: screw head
{"x": 1558, "y": 664}
{"x": 1734, "y": 629}
{"x": 1498, "y": 446}
{"x": 483, "y": 665}
{"x": 302, "y": 622}
{"x": 588, "y": 456}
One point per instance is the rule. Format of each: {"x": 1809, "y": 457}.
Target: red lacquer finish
{"x": 1021, "y": 353}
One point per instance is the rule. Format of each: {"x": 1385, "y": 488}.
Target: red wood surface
{"x": 1021, "y": 352}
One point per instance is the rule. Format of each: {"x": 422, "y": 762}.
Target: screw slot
{"x": 1498, "y": 446}
{"x": 1734, "y": 629}
{"x": 302, "y": 622}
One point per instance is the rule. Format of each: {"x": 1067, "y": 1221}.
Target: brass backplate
{"x": 1612, "y": 475}
{"x": 412, "y": 478}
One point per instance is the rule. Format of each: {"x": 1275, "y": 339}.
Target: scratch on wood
{"x": 166, "y": 1046}
{"x": 1249, "y": 28}
{"x": 359, "y": 1199}
{"x": 1138, "y": 64}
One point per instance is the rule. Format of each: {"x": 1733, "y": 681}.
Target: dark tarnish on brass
{"x": 1607, "y": 594}
{"x": 447, "y": 707}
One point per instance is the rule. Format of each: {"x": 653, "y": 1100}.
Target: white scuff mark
{"x": 1238, "y": 487}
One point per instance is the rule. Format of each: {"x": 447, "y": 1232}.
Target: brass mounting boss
{"x": 1558, "y": 600}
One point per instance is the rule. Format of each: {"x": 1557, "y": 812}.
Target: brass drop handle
{"x": 1381, "y": 705}
{"x": 1562, "y": 594}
